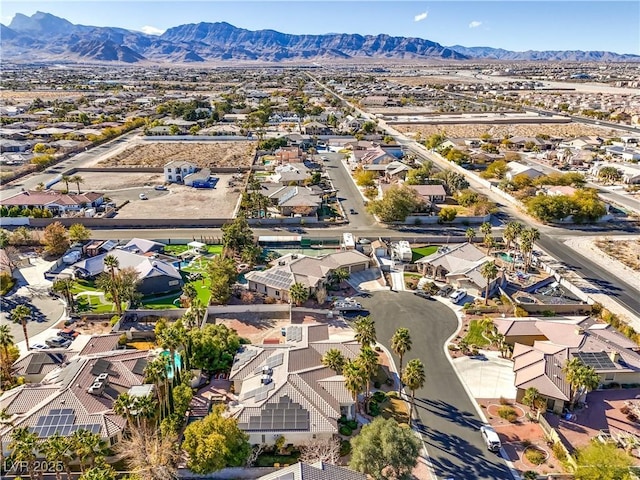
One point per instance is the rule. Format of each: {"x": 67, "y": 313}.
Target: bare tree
{"x": 255, "y": 453}
{"x": 325, "y": 450}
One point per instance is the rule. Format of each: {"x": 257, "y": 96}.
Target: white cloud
{"x": 420, "y": 16}
{"x": 149, "y": 30}
{"x": 475, "y": 24}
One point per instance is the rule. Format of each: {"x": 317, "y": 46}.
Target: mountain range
{"x": 45, "y": 37}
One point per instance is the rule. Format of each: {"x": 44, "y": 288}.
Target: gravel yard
{"x": 203, "y": 154}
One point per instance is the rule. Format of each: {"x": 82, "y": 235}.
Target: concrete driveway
{"x": 487, "y": 375}
{"x": 452, "y": 434}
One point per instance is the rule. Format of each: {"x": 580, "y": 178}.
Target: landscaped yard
{"x": 176, "y": 250}
{"x": 395, "y": 408}
{"x": 420, "y": 252}
{"x": 269, "y": 459}
{"x": 474, "y": 335}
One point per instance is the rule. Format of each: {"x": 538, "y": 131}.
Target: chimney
{"x": 579, "y": 331}
{"x": 614, "y": 356}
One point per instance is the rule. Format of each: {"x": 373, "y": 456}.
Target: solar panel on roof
{"x": 55, "y": 411}
{"x": 100, "y": 366}
{"x": 139, "y": 367}
{"x": 597, "y": 360}
{"x": 67, "y": 411}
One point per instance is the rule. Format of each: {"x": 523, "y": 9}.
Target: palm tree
{"x": 21, "y": 314}
{"x": 298, "y": 293}
{"x": 414, "y": 378}
{"x": 64, "y": 286}
{"x": 88, "y": 446}
{"x": 112, "y": 263}
{"x": 24, "y": 448}
{"x": 489, "y": 271}
{"x": 533, "y": 399}
{"x": 581, "y": 378}
{"x": 77, "y": 179}
{"x": 170, "y": 339}
{"x": 66, "y": 179}
{"x": 401, "y": 344}
{"x": 354, "y": 380}
{"x": 189, "y": 292}
{"x": 340, "y": 275}
{"x": 511, "y": 232}
{"x": 470, "y": 233}
{"x": 57, "y": 448}
{"x": 156, "y": 372}
{"x": 334, "y": 360}
{"x": 5, "y": 420}
{"x": 368, "y": 362}
{"x": 489, "y": 242}
{"x": 122, "y": 406}
{"x": 485, "y": 229}
{"x": 365, "y": 331}
{"x": 144, "y": 411}
{"x": 6, "y": 341}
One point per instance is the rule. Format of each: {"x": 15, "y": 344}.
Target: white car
{"x": 143, "y": 197}
{"x": 39, "y": 346}
{"x": 457, "y": 296}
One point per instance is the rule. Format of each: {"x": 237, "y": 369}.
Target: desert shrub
{"x": 269, "y": 300}
{"x": 526, "y": 443}
{"x": 345, "y": 448}
{"x": 520, "y": 312}
{"x": 559, "y": 452}
{"x": 6, "y": 283}
{"x": 530, "y": 475}
{"x": 346, "y": 431}
{"x": 379, "y": 397}
{"x": 352, "y": 424}
{"x": 508, "y": 413}
{"x": 535, "y": 456}
{"x": 374, "y": 409}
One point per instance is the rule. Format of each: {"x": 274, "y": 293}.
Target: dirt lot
{"x": 627, "y": 252}
{"x": 203, "y": 154}
{"x": 10, "y": 97}
{"x": 565, "y": 130}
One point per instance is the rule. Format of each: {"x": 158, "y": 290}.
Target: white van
{"x": 457, "y": 295}
{"x": 491, "y": 438}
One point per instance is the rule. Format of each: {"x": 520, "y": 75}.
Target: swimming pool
{"x": 177, "y": 359}
{"x": 505, "y": 257}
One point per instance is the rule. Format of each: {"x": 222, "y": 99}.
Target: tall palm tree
{"x": 485, "y": 229}
{"x": 21, "y": 314}
{"x": 189, "y": 291}
{"x": 145, "y": 410}
{"x": 88, "y": 446}
{"x": 5, "y": 420}
{"x": 511, "y": 233}
{"x": 64, "y": 286}
{"x": 199, "y": 310}
{"x": 401, "y": 344}
{"x": 354, "y": 380}
{"x": 122, "y": 406}
{"x": 156, "y": 372}
{"x": 6, "y": 341}
{"x": 112, "y": 263}
{"x": 334, "y": 360}
{"x": 470, "y": 234}
{"x": 298, "y": 293}
{"x": 533, "y": 399}
{"x": 171, "y": 339}
{"x": 489, "y": 271}
{"x": 365, "y": 331}
{"x": 24, "y": 448}
{"x": 414, "y": 378}
{"x": 581, "y": 378}
{"x": 368, "y": 361}
{"x": 489, "y": 242}
{"x": 66, "y": 179}
{"x": 57, "y": 448}
{"x": 77, "y": 179}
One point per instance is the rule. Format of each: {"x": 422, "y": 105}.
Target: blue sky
{"x": 510, "y": 24}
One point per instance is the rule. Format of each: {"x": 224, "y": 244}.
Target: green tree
{"x": 6, "y": 342}
{"x": 77, "y": 179}
{"x": 401, "y": 344}
{"x": 334, "y": 360}
{"x": 364, "y": 178}
{"x": 470, "y": 234}
{"x": 354, "y": 380}
{"x": 603, "y": 461}
{"x": 213, "y": 348}
{"x": 533, "y": 399}
{"x": 489, "y": 272}
{"x": 55, "y": 239}
{"x": 64, "y": 286}
{"x": 20, "y": 315}
{"x": 511, "y": 233}
{"x": 215, "y": 442}
{"x": 223, "y": 274}
{"x": 397, "y": 203}
{"x": 79, "y": 233}
{"x": 66, "y": 179}
{"x": 6, "y": 420}
{"x": 237, "y": 235}
{"x": 171, "y": 339}
{"x": 580, "y": 377}
{"x": 57, "y": 448}
{"x": 384, "y": 449}
{"x": 298, "y": 293}
{"x": 365, "y": 329}
{"x": 24, "y": 447}
{"x": 340, "y": 275}
{"x": 497, "y": 169}
{"x": 435, "y": 141}
{"x": 414, "y": 378}
{"x": 182, "y": 395}
{"x": 88, "y": 447}
{"x": 420, "y": 176}
{"x": 101, "y": 471}
{"x": 368, "y": 362}
{"x": 609, "y": 174}
{"x": 447, "y": 214}
{"x": 189, "y": 292}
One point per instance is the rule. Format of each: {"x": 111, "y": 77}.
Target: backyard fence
{"x": 552, "y": 434}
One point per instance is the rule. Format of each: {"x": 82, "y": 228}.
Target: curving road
{"x": 451, "y": 434}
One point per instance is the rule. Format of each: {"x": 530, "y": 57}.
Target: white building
{"x": 176, "y": 170}
{"x": 401, "y": 250}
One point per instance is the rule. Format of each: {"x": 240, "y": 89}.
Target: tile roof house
{"x": 69, "y": 397}
{"x": 315, "y": 471}
{"x": 284, "y": 390}
{"x": 459, "y": 265}
{"x": 312, "y": 272}
{"x": 516, "y": 168}
{"x": 431, "y": 193}
{"x": 155, "y": 275}
{"x": 36, "y": 365}
{"x": 292, "y": 200}
{"x": 58, "y": 203}
{"x": 550, "y": 343}
{"x": 289, "y": 173}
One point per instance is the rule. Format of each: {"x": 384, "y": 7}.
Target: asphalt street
{"x": 451, "y": 435}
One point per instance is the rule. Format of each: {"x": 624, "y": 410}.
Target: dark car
{"x": 445, "y": 291}
{"x": 352, "y": 211}
{"x": 423, "y": 294}
{"x": 68, "y": 333}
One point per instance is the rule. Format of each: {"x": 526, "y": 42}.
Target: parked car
{"x": 423, "y": 294}
{"x": 490, "y": 437}
{"x": 68, "y": 333}
{"x": 352, "y": 211}
{"x": 457, "y": 296}
{"x": 445, "y": 291}
{"x": 39, "y": 346}
{"x": 143, "y": 197}
{"x": 58, "y": 342}
{"x": 324, "y": 158}
{"x": 160, "y": 187}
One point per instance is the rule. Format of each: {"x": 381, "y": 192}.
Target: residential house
{"x": 291, "y": 154}
{"x": 459, "y": 265}
{"x": 176, "y": 170}
{"x": 98, "y": 247}
{"x": 431, "y": 194}
{"x": 516, "y": 168}
{"x": 630, "y": 171}
{"x": 36, "y": 365}
{"x": 15, "y": 146}
{"x": 373, "y": 156}
{"x": 201, "y": 178}
{"x": 315, "y": 471}
{"x": 351, "y": 124}
{"x": 624, "y": 153}
{"x": 56, "y": 202}
{"x": 295, "y": 200}
{"x": 316, "y": 128}
{"x": 76, "y": 394}
{"x": 284, "y": 390}
{"x": 543, "y": 346}
{"x": 312, "y": 272}
{"x": 289, "y": 174}
{"x": 155, "y": 275}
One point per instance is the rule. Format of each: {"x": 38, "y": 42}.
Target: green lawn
{"x": 267, "y": 460}
{"x": 420, "y": 252}
{"x": 176, "y": 250}
{"x": 84, "y": 286}
{"x": 169, "y": 301}
{"x": 474, "y": 335}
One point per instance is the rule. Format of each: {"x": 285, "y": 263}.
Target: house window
{"x": 277, "y": 293}
{"x": 170, "y": 177}
{"x": 609, "y": 377}
{"x": 169, "y": 170}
